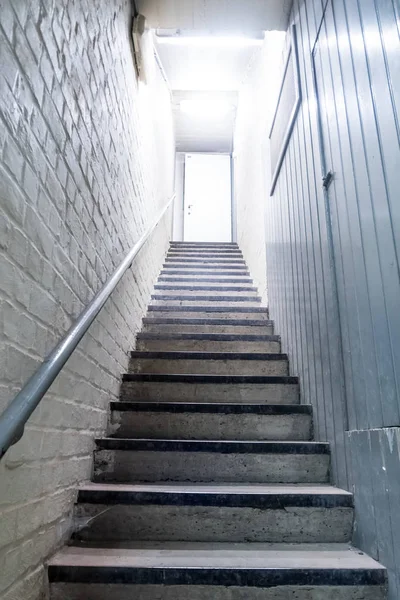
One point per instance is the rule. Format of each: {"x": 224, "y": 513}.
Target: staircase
{"x": 209, "y": 486}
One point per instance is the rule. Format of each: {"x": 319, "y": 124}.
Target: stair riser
{"x": 205, "y": 295}
{"x": 137, "y": 466}
{"x": 209, "y": 367}
{"x": 117, "y": 523}
{"x": 217, "y": 302}
{"x": 231, "y": 329}
{"x": 202, "y": 279}
{"x": 204, "y": 272}
{"x": 203, "y": 314}
{"x": 210, "y": 392}
{"x": 197, "y": 263}
{"x": 98, "y": 591}
{"x": 206, "y": 426}
{"x": 207, "y": 346}
{"x": 214, "y": 254}
{"x": 198, "y": 286}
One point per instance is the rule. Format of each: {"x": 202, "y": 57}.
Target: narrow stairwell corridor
{"x": 209, "y": 485}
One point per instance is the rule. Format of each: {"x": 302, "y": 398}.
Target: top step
{"x": 204, "y": 245}
{"x": 210, "y": 250}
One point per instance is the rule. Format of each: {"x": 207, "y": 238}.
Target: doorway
{"x": 207, "y": 198}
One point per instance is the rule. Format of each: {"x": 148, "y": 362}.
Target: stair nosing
{"x": 190, "y": 355}
{"x": 213, "y": 446}
{"x": 210, "y": 379}
{"x": 205, "y": 321}
{"x": 257, "y": 577}
{"x": 204, "y": 298}
{"x": 211, "y": 408}
{"x": 217, "y": 337}
{"x": 226, "y": 498}
{"x": 210, "y": 309}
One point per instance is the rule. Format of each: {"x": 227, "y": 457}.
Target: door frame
{"x": 233, "y": 205}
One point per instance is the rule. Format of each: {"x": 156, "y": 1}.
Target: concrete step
{"x": 211, "y": 421}
{"x": 231, "y": 326}
{"x": 206, "y": 253}
{"x": 211, "y": 296}
{"x": 204, "y": 301}
{"x": 182, "y": 244}
{"x": 210, "y": 388}
{"x": 208, "y": 342}
{"x": 209, "y": 248}
{"x": 213, "y": 513}
{"x": 203, "y": 250}
{"x": 125, "y": 460}
{"x": 194, "y": 287}
{"x": 201, "y": 571}
{"x": 209, "y": 312}
{"x": 209, "y": 363}
{"x": 188, "y": 270}
{"x": 204, "y": 279}
{"x": 201, "y": 263}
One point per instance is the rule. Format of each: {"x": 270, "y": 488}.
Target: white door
{"x": 207, "y": 201}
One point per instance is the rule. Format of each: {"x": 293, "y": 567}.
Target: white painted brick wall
{"x": 86, "y": 162}
{"x": 251, "y": 152}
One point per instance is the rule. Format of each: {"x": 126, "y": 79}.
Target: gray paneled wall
{"x": 333, "y": 259}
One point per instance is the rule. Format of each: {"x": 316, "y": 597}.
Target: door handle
{"x": 327, "y": 180}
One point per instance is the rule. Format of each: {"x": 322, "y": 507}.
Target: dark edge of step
{"x": 211, "y": 408}
{"x": 210, "y": 309}
{"x": 227, "y": 245}
{"x": 180, "y": 257}
{"x": 275, "y": 501}
{"x": 216, "y": 337}
{"x": 207, "y": 379}
{"x": 206, "y": 288}
{"x": 204, "y": 279}
{"x": 198, "y": 298}
{"x": 204, "y": 271}
{"x": 187, "y": 355}
{"x": 243, "y": 577}
{"x": 189, "y": 252}
{"x": 222, "y": 447}
{"x": 200, "y": 263}
{"x": 204, "y": 321}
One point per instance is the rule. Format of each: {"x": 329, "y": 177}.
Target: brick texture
{"x": 86, "y": 162}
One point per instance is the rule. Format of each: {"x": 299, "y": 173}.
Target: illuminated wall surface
{"x": 333, "y": 259}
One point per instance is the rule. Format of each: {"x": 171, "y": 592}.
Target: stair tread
{"x": 209, "y": 336}
{"x": 186, "y": 555}
{"x": 219, "y": 488}
{"x": 208, "y": 308}
{"x": 256, "y": 496}
{"x": 188, "y": 354}
{"x": 201, "y": 378}
{"x": 203, "y": 321}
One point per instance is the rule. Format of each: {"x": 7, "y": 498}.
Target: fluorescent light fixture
{"x": 209, "y": 41}
{"x": 207, "y": 108}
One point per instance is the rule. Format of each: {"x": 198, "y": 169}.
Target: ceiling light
{"x": 210, "y": 41}
{"x": 209, "y": 108}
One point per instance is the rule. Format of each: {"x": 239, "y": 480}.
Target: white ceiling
{"x": 193, "y": 69}
{"x": 204, "y": 68}
{"x": 201, "y": 134}
{"x": 217, "y": 15}
{"x": 196, "y": 72}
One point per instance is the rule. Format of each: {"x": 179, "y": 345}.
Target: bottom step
{"x": 189, "y": 571}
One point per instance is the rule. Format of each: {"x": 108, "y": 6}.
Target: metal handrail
{"x": 13, "y": 419}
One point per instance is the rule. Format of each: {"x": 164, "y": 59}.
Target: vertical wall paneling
{"x": 333, "y": 256}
